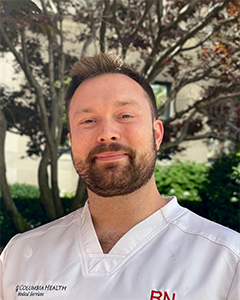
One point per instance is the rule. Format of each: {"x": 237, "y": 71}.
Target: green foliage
{"x": 212, "y": 192}
{"x": 220, "y": 192}
{"x": 6, "y": 226}
{"x": 27, "y": 200}
{"x": 181, "y": 179}
{"x": 23, "y": 191}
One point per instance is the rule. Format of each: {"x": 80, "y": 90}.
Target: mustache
{"x": 113, "y": 147}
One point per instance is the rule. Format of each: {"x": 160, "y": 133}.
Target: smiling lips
{"x": 110, "y": 156}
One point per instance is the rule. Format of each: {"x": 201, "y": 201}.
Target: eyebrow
{"x": 116, "y": 104}
{"x": 125, "y": 103}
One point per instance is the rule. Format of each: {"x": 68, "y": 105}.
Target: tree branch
{"x": 103, "y": 25}
{"x": 61, "y": 78}
{"x": 159, "y": 4}
{"x": 172, "y": 51}
{"x": 210, "y": 34}
{"x": 148, "y": 5}
{"x": 44, "y": 7}
{"x": 188, "y": 8}
{"x": 199, "y": 106}
{"x": 114, "y": 18}
{"x": 17, "y": 219}
{"x": 37, "y": 87}
{"x": 182, "y": 135}
{"x": 11, "y": 47}
{"x": 207, "y": 135}
{"x": 185, "y": 82}
{"x": 52, "y": 87}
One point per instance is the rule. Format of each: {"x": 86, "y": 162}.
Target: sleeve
{"x": 234, "y": 292}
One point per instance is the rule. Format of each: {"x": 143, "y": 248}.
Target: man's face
{"x": 114, "y": 139}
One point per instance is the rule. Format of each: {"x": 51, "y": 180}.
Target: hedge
{"x": 182, "y": 179}
{"x": 27, "y": 200}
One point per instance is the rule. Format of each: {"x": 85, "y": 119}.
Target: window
{"x": 161, "y": 91}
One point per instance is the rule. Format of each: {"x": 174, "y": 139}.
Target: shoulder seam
{"x": 30, "y": 235}
{"x": 203, "y": 236}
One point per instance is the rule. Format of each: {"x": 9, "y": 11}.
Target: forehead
{"x": 117, "y": 89}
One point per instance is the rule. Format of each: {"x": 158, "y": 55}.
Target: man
{"x": 128, "y": 242}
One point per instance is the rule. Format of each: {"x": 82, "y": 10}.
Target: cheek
{"x": 139, "y": 136}
{"x": 81, "y": 145}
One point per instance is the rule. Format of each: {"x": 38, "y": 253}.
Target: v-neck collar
{"x": 95, "y": 262}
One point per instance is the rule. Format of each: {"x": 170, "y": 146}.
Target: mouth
{"x": 110, "y": 156}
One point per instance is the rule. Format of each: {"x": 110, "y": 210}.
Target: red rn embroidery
{"x": 161, "y": 296}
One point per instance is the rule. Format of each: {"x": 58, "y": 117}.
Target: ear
{"x": 69, "y": 136}
{"x": 158, "y": 132}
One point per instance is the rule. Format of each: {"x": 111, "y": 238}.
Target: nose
{"x": 108, "y": 132}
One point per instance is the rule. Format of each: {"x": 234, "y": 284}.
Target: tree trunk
{"x": 43, "y": 183}
{"x": 80, "y": 197}
{"x": 19, "y": 222}
{"x": 54, "y": 181}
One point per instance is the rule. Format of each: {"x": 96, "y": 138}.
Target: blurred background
{"x": 190, "y": 53}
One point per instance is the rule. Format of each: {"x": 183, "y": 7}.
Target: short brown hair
{"x": 103, "y": 63}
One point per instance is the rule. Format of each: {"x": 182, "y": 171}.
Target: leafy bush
{"x": 181, "y": 179}
{"x": 27, "y": 200}
{"x": 212, "y": 192}
{"x": 220, "y": 192}
{"x": 31, "y": 209}
{"x": 25, "y": 196}
{"x": 23, "y": 191}
{"x": 6, "y": 226}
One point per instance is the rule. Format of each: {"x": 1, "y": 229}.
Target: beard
{"x": 114, "y": 179}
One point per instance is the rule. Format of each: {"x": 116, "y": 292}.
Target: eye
{"x": 87, "y": 121}
{"x": 126, "y": 117}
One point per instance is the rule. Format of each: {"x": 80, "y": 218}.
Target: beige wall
{"x": 23, "y": 169}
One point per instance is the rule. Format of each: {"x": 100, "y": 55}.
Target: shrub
{"x": 27, "y": 200}
{"x": 181, "y": 179}
{"x": 23, "y": 191}
{"x": 220, "y": 192}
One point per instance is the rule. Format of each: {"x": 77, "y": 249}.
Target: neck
{"x": 114, "y": 216}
